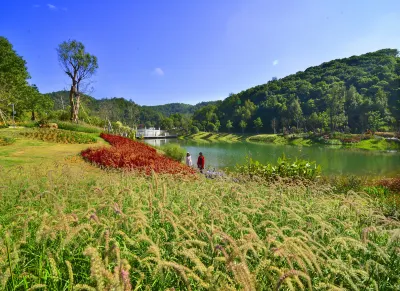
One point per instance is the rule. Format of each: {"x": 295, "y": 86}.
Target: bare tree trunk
{"x": 33, "y": 115}
{"x": 71, "y": 101}
{"x": 76, "y": 107}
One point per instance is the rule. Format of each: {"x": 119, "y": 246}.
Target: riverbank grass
{"x": 215, "y": 137}
{"x": 71, "y": 228}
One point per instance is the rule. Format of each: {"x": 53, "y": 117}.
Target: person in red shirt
{"x": 201, "y": 162}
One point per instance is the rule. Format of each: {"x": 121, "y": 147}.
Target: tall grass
{"x": 174, "y": 151}
{"x": 58, "y": 136}
{"x": 82, "y": 127}
{"x": 69, "y": 228}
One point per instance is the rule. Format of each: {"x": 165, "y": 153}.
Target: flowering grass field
{"x": 67, "y": 227}
{"x": 133, "y": 155}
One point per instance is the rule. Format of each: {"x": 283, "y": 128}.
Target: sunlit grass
{"x": 65, "y": 225}
{"x": 30, "y": 151}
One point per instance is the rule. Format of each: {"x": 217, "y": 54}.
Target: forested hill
{"x": 181, "y": 108}
{"x": 351, "y": 94}
{"x": 126, "y": 111}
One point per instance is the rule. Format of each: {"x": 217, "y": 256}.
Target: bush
{"x": 58, "y": 136}
{"x": 194, "y": 130}
{"x": 284, "y": 168}
{"x": 79, "y": 127}
{"x": 132, "y": 155}
{"x": 174, "y": 151}
{"x": 6, "y": 140}
{"x": 342, "y": 184}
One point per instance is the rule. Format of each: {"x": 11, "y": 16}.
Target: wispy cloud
{"x": 36, "y": 6}
{"x": 275, "y": 62}
{"x": 158, "y": 72}
{"x": 51, "y": 7}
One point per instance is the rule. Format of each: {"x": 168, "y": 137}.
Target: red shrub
{"x": 128, "y": 154}
{"x": 393, "y": 184}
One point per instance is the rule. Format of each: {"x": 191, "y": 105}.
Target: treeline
{"x": 352, "y": 95}
{"x": 94, "y": 111}
{"x": 15, "y": 91}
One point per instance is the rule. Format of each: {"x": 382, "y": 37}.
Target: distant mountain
{"x": 126, "y": 111}
{"x": 172, "y": 108}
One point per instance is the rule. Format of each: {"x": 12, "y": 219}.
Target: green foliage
{"x": 343, "y": 184}
{"x": 242, "y": 125}
{"x": 72, "y": 126}
{"x": 258, "y": 123}
{"x": 34, "y": 102}
{"x": 5, "y": 140}
{"x": 194, "y": 129}
{"x": 284, "y": 168}
{"x": 79, "y": 66}
{"x": 375, "y": 121}
{"x": 58, "y": 136}
{"x": 13, "y": 75}
{"x": 336, "y": 95}
{"x": 174, "y": 151}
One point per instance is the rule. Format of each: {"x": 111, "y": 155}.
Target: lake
{"x": 332, "y": 160}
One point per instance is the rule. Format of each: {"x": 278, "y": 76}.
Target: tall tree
{"x": 229, "y": 125}
{"x": 246, "y": 111}
{"x": 334, "y": 101}
{"x": 13, "y": 74}
{"x": 242, "y": 125}
{"x": 375, "y": 120}
{"x": 274, "y": 124}
{"x": 295, "y": 111}
{"x": 79, "y": 66}
{"x": 35, "y": 102}
{"x": 258, "y": 124}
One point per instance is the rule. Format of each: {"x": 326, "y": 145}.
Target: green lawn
{"x": 35, "y": 152}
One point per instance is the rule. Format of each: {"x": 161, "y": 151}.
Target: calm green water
{"x": 333, "y": 161}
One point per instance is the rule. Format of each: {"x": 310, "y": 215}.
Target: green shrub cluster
{"x": 284, "y": 168}
{"x": 4, "y": 140}
{"x": 59, "y": 136}
{"x": 78, "y": 127}
{"x": 174, "y": 151}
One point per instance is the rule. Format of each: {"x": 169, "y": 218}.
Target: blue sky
{"x": 157, "y": 52}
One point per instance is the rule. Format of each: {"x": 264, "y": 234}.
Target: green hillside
{"x": 351, "y": 94}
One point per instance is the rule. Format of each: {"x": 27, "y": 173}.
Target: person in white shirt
{"x": 188, "y": 159}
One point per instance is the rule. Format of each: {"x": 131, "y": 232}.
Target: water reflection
{"x": 332, "y": 160}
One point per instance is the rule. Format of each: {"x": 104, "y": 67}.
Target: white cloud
{"x": 51, "y": 6}
{"x": 275, "y": 62}
{"x": 158, "y": 72}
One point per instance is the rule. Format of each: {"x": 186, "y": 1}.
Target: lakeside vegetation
{"x": 349, "y": 95}
{"x": 75, "y": 227}
{"x": 356, "y": 141}
{"x": 85, "y": 210}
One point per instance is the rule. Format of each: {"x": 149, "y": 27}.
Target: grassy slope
{"x": 372, "y": 144}
{"x": 216, "y": 137}
{"x": 60, "y": 219}
{"x": 30, "y": 151}
{"x": 196, "y": 232}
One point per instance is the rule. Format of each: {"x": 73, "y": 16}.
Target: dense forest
{"x": 350, "y": 95}
{"x": 127, "y": 111}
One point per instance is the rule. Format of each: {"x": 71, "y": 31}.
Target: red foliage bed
{"x": 132, "y": 155}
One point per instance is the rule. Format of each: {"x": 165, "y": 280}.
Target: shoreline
{"x": 374, "y": 143}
